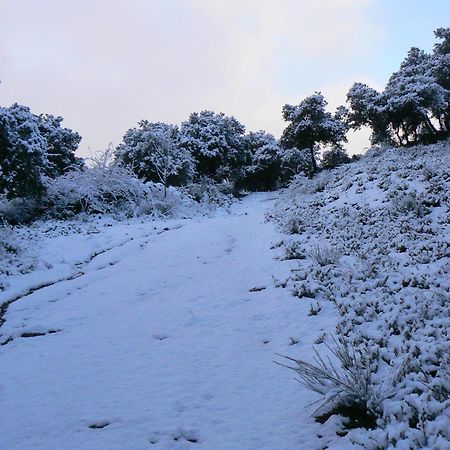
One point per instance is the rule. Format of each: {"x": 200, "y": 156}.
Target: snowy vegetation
{"x": 366, "y": 237}
{"x": 374, "y": 241}
{"x": 39, "y": 171}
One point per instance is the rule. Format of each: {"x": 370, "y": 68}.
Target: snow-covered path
{"x": 162, "y": 344}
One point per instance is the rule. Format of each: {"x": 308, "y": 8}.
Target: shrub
{"x": 19, "y": 210}
{"x": 104, "y": 187}
{"x": 8, "y": 243}
{"x": 293, "y": 250}
{"x": 347, "y": 387}
{"x": 211, "y": 194}
{"x": 334, "y": 157}
{"x": 324, "y": 254}
{"x": 408, "y": 202}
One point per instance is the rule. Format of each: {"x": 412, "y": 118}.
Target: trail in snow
{"x": 170, "y": 347}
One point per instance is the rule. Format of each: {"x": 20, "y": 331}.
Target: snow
{"x": 166, "y": 340}
{"x": 163, "y": 333}
{"x": 385, "y": 221}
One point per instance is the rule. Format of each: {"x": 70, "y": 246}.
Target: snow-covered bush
{"x": 263, "y": 170}
{"x": 324, "y": 254}
{"x": 295, "y": 162}
{"x": 161, "y": 201}
{"x": 408, "y": 202}
{"x": 294, "y": 250}
{"x": 8, "y": 242}
{"x": 334, "y": 157}
{"x": 19, "y": 210}
{"x": 152, "y": 152}
{"x": 211, "y": 194}
{"x": 103, "y": 188}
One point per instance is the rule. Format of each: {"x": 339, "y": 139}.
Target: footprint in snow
{"x": 257, "y": 289}
{"x": 99, "y": 425}
{"x": 160, "y": 337}
{"x": 184, "y": 435}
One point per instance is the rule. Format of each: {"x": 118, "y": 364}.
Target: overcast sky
{"x": 106, "y": 64}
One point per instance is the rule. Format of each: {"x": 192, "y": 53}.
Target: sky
{"x": 104, "y": 65}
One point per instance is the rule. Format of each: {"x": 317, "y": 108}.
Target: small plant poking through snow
{"x": 314, "y": 309}
{"x": 409, "y": 202}
{"x": 324, "y": 254}
{"x": 346, "y": 383}
{"x": 294, "y": 250}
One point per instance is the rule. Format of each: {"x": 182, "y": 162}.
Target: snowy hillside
{"x": 163, "y": 334}
{"x": 374, "y": 239}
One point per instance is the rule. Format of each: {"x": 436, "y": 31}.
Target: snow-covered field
{"x": 162, "y": 334}
{"x": 166, "y": 340}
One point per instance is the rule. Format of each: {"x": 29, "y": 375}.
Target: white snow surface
{"x": 164, "y": 340}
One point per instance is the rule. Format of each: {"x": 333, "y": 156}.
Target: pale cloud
{"x": 104, "y": 65}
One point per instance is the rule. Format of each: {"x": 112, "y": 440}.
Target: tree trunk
{"x": 313, "y": 160}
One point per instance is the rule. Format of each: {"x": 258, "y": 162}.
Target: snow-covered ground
{"x": 373, "y": 238}
{"x": 165, "y": 339}
{"x": 162, "y": 334}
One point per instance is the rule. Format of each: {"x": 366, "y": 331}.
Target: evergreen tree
{"x": 263, "y": 170}
{"x": 61, "y": 144}
{"x": 415, "y": 104}
{"x": 22, "y": 153}
{"x": 368, "y": 108}
{"x": 311, "y": 126}
{"x": 216, "y": 143}
{"x": 31, "y": 149}
{"x": 334, "y": 157}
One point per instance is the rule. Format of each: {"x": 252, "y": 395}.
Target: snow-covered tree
{"x": 61, "y": 145}
{"x": 413, "y": 99}
{"x": 415, "y": 104}
{"x": 216, "y": 143}
{"x": 23, "y": 155}
{"x": 152, "y": 151}
{"x": 334, "y": 157}
{"x": 441, "y": 72}
{"x": 263, "y": 170}
{"x": 367, "y": 108}
{"x": 32, "y": 148}
{"x": 311, "y": 126}
{"x": 295, "y": 161}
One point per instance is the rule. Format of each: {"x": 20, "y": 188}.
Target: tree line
{"x": 413, "y": 108}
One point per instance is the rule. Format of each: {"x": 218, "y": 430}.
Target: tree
{"x": 295, "y": 162}
{"x": 263, "y": 170}
{"x": 311, "y": 126}
{"x": 151, "y": 150}
{"x": 415, "y": 104}
{"x": 61, "y": 145}
{"x": 368, "y": 108}
{"x": 441, "y": 72}
{"x": 413, "y": 99}
{"x": 31, "y": 149}
{"x": 334, "y": 157}
{"x": 216, "y": 143}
